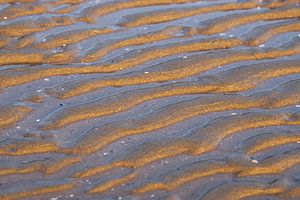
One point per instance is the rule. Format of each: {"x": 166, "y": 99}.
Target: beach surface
{"x": 150, "y": 99}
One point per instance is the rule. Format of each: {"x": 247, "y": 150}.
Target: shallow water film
{"x": 150, "y": 99}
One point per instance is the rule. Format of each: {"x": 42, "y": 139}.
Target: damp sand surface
{"x": 150, "y": 99}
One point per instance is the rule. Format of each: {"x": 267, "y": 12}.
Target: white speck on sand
{"x": 254, "y": 161}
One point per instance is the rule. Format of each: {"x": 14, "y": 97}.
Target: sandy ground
{"x": 149, "y": 99}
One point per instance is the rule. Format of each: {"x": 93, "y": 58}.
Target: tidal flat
{"x": 150, "y": 99}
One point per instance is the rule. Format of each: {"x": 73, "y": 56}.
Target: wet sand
{"x": 150, "y": 99}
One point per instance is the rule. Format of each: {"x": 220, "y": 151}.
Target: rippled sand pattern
{"x": 150, "y": 99}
